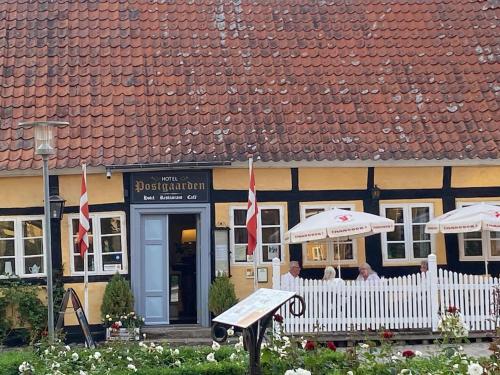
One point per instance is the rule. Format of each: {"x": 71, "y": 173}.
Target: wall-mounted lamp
{"x": 188, "y": 235}
{"x": 56, "y": 206}
{"x": 375, "y": 192}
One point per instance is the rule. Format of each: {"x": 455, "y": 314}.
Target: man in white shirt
{"x": 289, "y": 279}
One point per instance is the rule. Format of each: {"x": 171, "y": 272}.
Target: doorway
{"x": 170, "y": 263}
{"x": 183, "y": 246}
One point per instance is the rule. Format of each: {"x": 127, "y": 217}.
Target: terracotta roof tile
{"x": 151, "y": 82}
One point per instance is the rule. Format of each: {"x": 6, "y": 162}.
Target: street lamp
{"x": 44, "y": 146}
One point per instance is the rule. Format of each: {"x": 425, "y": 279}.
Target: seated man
{"x": 289, "y": 279}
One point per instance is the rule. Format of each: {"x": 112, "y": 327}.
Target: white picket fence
{"x": 409, "y": 302}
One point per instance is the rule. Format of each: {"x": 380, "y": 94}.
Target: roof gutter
{"x": 160, "y": 166}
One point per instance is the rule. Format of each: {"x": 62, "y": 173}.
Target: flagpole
{"x": 86, "y": 284}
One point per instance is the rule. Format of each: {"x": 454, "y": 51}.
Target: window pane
{"x": 396, "y": 250}
{"x": 270, "y": 217}
{"x": 240, "y": 235}
{"x": 76, "y": 223}
{"x": 271, "y": 235}
{"x": 6, "y": 248}
{"x": 313, "y": 211}
{"x": 316, "y": 252}
{"x": 420, "y": 214}
{"x": 33, "y": 246}
{"x": 110, "y": 225}
{"x": 270, "y": 252}
{"x": 419, "y": 233}
{"x": 472, "y": 235}
{"x": 32, "y": 228}
{"x": 78, "y": 263}
{"x": 421, "y": 249}
{"x": 395, "y": 214}
{"x": 240, "y": 217}
{"x": 111, "y": 244}
{"x": 6, "y": 229}
{"x": 7, "y": 266}
{"x": 495, "y": 247}
{"x": 343, "y": 251}
{"x": 473, "y": 248}
{"x": 397, "y": 235}
{"x": 33, "y": 265}
{"x": 240, "y": 253}
{"x": 495, "y": 235}
{"x": 112, "y": 262}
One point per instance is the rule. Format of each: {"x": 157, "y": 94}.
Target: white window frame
{"x": 331, "y": 244}
{"x": 19, "y": 245}
{"x": 96, "y": 233}
{"x": 485, "y": 239}
{"x": 408, "y": 232}
{"x": 259, "y": 248}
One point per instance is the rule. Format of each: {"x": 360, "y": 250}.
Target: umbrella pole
{"x": 486, "y": 257}
{"x": 338, "y": 258}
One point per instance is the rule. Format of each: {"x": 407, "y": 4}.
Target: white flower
{"x": 144, "y": 336}
{"x": 364, "y": 346}
{"x": 110, "y": 319}
{"x": 142, "y": 345}
{"x": 82, "y": 372}
{"x": 159, "y": 349}
{"x": 55, "y": 365}
{"x": 455, "y": 366}
{"x": 67, "y": 348}
{"x": 132, "y": 367}
{"x": 211, "y": 357}
{"x": 215, "y": 346}
{"x": 303, "y": 343}
{"x": 232, "y": 357}
{"x": 46, "y": 351}
{"x": 395, "y": 358}
{"x": 74, "y": 356}
{"x": 107, "y": 316}
{"x": 177, "y": 363}
{"x": 230, "y": 332}
{"x": 174, "y": 352}
{"x": 475, "y": 369}
{"x": 418, "y": 353}
{"x": 97, "y": 355}
{"x": 129, "y": 359}
{"x": 350, "y": 373}
{"x": 25, "y": 367}
{"x": 405, "y": 371}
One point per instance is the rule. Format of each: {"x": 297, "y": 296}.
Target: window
{"x": 474, "y": 245}
{"x": 107, "y": 244}
{"x": 408, "y": 242}
{"x": 269, "y": 238}
{"x": 21, "y": 246}
{"x": 331, "y": 252}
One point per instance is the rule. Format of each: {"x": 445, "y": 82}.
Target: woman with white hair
{"x": 329, "y": 274}
{"x": 366, "y": 273}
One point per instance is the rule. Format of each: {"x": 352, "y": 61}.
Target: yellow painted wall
{"x": 360, "y": 242}
{"x": 439, "y": 238}
{"x": 409, "y": 178}
{"x": 243, "y": 286}
{"x": 16, "y": 192}
{"x": 96, "y": 292}
{"x": 99, "y": 189}
{"x": 332, "y": 178}
{"x": 65, "y": 249}
{"x": 475, "y": 176}
{"x": 265, "y": 179}
{"x": 482, "y": 199}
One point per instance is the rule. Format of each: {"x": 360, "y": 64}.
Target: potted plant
{"x": 221, "y": 295}
{"x": 117, "y": 312}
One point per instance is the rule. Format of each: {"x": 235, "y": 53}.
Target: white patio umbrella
{"x": 338, "y": 224}
{"x": 474, "y": 218}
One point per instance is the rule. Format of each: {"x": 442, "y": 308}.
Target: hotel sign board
{"x": 170, "y": 187}
{"x": 254, "y": 307}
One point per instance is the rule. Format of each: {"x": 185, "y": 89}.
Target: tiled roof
{"x": 285, "y": 80}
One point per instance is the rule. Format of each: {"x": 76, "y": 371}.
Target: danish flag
{"x": 84, "y": 225}
{"x": 252, "y": 212}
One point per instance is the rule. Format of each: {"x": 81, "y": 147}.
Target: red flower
{"x": 115, "y": 326}
{"x": 310, "y": 345}
{"x": 388, "y": 335}
{"x": 278, "y": 318}
{"x": 408, "y": 353}
{"x": 331, "y": 346}
{"x": 453, "y": 309}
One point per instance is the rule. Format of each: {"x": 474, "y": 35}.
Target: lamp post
{"x": 44, "y": 146}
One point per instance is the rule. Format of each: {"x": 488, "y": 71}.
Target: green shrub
{"x": 118, "y": 299}
{"x": 222, "y": 368}
{"x": 10, "y": 361}
{"x": 221, "y": 295}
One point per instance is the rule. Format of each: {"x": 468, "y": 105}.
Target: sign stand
{"x": 80, "y": 315}
{"x": 253, "y": 333}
